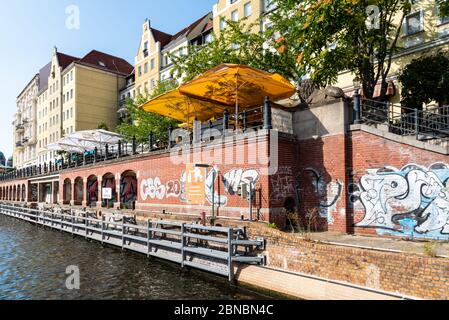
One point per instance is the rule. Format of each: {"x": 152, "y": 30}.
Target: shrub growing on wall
{"x": 424, "y": 80}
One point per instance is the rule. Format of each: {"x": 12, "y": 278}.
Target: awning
{"x": 238, "y": 85}
{"x": 183, "y": 108}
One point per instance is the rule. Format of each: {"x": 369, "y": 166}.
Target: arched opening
{"x": 78, "y": 191}
{"x": 108, "y": 181}
{"x": 19, "y": 193}
{"x": 128, "y": 189}
{"x": 67, "y": 191}
{"x": 92, "y": 190}
{"x": 1, "y": 193}
{"x": 14, "y": 193}
{"x": 34, "y": 192}
{"x": 7, "y": 194}
{"x": 10, "y": 193}
{"x": 24, "y": 196}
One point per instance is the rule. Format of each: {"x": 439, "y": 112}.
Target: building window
{"x": 145, "y": 49}
{"x": 222, "y": 23}
{"x": 146, "y": 68}
{"x": 268, "y": 5}
{"x": 71, "y": 94}
{"x": 208, "y": 38}
{"x": 413, "y": 23}
{"x": 140, "y": 71}
{"x": 152, "y": 64}
{"x": 248, "y": 9}
{"x": 235, "y": 15}
{"x": 233, "y": 1}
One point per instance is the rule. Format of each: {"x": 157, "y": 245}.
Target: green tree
{"x": 424, "y": 80}
{"x": 103, "y": 126}
{"x": 443, "y": 5}
{"x": 328, "y": 37}
{"x": 140, "y": 123}
{"x": 237, "y": 44}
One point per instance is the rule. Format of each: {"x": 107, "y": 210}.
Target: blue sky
{"x": 30, "y": 29}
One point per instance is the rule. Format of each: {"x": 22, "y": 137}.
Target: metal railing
{"x": 423, "y": 124}
{"x": 254, "y": 119}
{"x": 211, "y": 249}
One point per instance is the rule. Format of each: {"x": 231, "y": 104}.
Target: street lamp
{"x": 357, "y": 103}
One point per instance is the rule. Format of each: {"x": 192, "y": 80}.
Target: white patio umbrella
{"x": 99, "y": 138}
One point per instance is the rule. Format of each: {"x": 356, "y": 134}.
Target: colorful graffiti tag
{"x": 156, "y": 189}
{"x": 413, "y": 200}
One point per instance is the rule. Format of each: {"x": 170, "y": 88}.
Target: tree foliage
{"x": 237, "y": 44}
{"x": 424, "y": 80}
{"x": 140, "y": 123}
{"x": 330, "y": 37}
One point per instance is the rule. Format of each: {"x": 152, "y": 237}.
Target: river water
{"x": 33, "y": 264}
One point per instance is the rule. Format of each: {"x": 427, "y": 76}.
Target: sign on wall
{"x": 106, "y": 193}
{"x": 196, "y": 184}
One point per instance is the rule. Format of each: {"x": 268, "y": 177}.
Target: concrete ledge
{"x": 307, "y": 287}
{"x": 411, "y": 141}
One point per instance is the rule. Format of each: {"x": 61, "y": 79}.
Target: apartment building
{"x": 253, "y": 11}
{"x": 148, "y": 58}
{"x": 198, "y": 33}
{"x": 81, "y": 94}
{"x": 25, "y": 122}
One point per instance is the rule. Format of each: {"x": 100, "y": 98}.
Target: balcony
{"x": 19, "y": 145}
{"x": 20, "y": 128}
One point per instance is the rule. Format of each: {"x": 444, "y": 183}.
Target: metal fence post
{"x": 102, "y": 229}
{"x": 183, "y": 244}
{"x": 123, "y": 234}
{"x": 416, "y": 112}
{"x": 357, "y": 107}
{"x": 150, "y": 141}
{"x": 149, "y": 225}
{"x": 267, "y": 119}
{"x": 230, "y": 254}
{"x": 225, "y": 122}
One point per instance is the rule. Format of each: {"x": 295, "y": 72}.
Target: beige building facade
{"x": 81, "y": 94}
{"x": 24, "y": 125}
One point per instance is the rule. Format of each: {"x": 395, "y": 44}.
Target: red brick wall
{"x": 321, "y": 168}
{"x": 150, "y": 167}
{"x": 368, "y": 151}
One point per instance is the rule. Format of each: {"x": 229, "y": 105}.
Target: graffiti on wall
{"x": 283, "y": 185}
{"x": 328, "y": 194}
{"x": 412, "y": 200}
{"x": 156, "y": 189}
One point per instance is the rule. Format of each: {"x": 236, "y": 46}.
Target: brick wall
{"x": 406, "y": 274}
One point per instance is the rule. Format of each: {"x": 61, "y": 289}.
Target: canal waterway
{"x": 34, "y": 261}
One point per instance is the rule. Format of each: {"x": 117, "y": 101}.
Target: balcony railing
{"x": 428, "y": 124}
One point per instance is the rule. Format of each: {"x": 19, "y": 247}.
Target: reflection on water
{"x": 33, "y": 262}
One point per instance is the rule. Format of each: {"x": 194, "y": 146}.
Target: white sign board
{"x": 106, "y": 193}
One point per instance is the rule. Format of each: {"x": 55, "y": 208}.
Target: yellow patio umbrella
{"x": 238, "y": 85}
{"x": 183, "y": 108}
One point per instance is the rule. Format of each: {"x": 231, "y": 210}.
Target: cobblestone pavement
{"x": 421, "y": 247}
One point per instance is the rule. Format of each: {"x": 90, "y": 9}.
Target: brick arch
{"x": 67, "y": 191}
{"x": 78, "y": 191}
{"x": 92, "y": 190}
{"x": 108, "y": 181}
{"x": 128, "y": 189}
